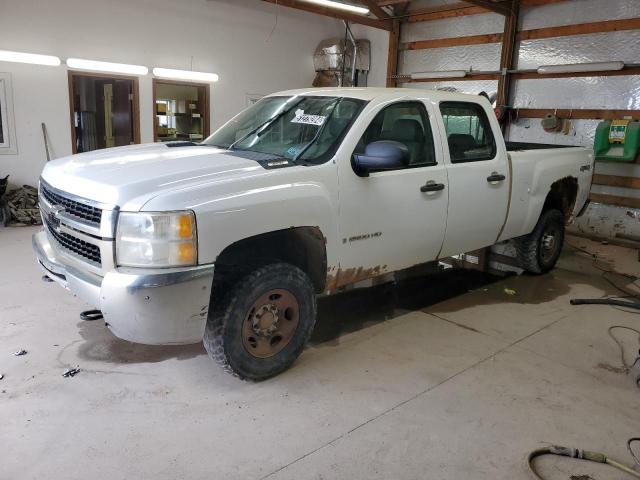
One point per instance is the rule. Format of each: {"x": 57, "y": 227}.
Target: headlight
{"x": 166, "y": 239}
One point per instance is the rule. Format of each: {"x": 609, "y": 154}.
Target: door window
{"x": 468, "y": 132}
{"x": 407, "y": 123}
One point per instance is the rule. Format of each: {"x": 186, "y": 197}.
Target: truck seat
{"x": 459, "y": 144}
{"x": 409, "y": 132}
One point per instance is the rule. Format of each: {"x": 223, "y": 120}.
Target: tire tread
{"x": 527, "y": 246}
{"x": 222, "y": 313}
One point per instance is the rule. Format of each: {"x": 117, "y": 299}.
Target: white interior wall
{"x": 255, "y": 47}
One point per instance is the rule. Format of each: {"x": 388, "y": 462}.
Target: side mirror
{"x": 381, "y": 155}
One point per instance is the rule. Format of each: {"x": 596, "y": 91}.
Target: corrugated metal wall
{"x": 621, "y": 92}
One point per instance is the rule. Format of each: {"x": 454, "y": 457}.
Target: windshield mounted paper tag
{"x": 307, "y": 119}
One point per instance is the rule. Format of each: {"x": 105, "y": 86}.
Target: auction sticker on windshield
{"x": 305, "y": 118}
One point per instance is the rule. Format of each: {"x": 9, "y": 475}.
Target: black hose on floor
{"x": 604, "y": 301}
{"x": 579, "y": 454}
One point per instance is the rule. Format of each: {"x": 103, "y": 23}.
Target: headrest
{"x": 462, "y": 140}
{"x": 407, "y": 129}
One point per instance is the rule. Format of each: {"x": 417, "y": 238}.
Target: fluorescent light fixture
{"x": 581, "y": 67}
{"x": 97, "y": 66}
{"x": 19, "y": 57}
{"x": 340, "y": 6}
{"x": 438, "y": 74}
{"x": 185, "y": 75}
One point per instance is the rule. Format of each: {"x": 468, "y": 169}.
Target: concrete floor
{"x": 417, "y": 381}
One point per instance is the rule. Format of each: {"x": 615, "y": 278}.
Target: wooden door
{"x": 122, "y": 113}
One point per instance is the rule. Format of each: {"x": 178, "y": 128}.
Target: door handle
{"x": 495, "y": 177}
{"x": 431, "y": 186}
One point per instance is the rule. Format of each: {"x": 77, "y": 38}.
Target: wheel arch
{"x": 304, "y": 247}
{"x": 562, "y": 196}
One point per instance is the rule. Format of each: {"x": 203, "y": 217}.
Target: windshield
{"x": 296, "y": 128}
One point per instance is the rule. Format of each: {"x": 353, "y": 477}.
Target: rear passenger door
{"x": 478, "y": 178}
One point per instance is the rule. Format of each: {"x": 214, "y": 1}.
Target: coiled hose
{"x": 582, "y": 455}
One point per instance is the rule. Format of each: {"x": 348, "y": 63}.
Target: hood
{"x": 131, "y": 176}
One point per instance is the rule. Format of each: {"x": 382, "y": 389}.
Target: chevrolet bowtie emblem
{"x": 54, "y": 221}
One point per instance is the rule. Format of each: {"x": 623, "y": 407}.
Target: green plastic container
{"x": 618, "y": 145}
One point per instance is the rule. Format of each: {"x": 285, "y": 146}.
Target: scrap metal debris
{"x": 19, "y": 353}
{"x": 19, "y": 207}
{"x": 71, "y": 372}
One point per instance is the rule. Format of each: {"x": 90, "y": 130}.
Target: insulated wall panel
{"x": 621, "y": 92}
{"x": 473, "y": 87}
{"x": 530, "y": 130}
{"x": 579, "y": 92}
{"x": 453, "y": 27}
{"x": 597, "y": 47}
{"x": 577, "y": 11}
{"x": 476, "y": 57}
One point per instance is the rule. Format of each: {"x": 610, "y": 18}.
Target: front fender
{"x": 277, "y": 200}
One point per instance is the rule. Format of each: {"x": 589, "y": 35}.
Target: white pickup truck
{"x": 307, "y": 191}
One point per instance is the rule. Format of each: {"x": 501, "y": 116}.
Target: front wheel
{"x": 539, "y": 251}
{"x": 263, "y": 322}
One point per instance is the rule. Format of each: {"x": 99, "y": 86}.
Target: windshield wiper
{"x": 265, "y": 125}
{"x": 319, "y": 132}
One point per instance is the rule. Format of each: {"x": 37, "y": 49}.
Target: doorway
{"x": 180, "y": 111}
{"x": 104, "y": 111}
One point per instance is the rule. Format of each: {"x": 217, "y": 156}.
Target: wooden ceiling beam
{"x": 581, "y": 29}
{"x": 535, "y": 34}
{"x": 334, "y": 13}
{"x": 387, "y": 3}
{"x": 507, "y": 55}
{"x": 376, "y": 9}
{"x": 461, "y": 9}
{"x": 497, "y": 7}
{"x": 450, "y": 10}
{"x": 453, "y": 41}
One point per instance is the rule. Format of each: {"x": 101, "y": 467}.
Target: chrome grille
{"x": 73, "y": 244}
{"x": 82, "y": 211}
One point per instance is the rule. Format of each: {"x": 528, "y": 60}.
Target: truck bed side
{"x": 533, "y": 172}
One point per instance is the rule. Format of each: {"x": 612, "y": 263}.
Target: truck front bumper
{"x": 155, "y": 307}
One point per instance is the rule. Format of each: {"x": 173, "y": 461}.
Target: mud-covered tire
{"x": 534, "y": 251}
{"x": 223, "y": 337}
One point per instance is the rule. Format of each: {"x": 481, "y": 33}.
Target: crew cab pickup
{"x": 230, "y": 240}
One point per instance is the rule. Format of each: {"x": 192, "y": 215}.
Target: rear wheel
{"x": 539, "y": 251}
{"x": 263, "y": 323}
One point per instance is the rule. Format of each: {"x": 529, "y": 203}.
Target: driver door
{"x": 388, "y": 220}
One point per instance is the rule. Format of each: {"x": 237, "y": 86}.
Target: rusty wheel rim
{"x": 270, "y": 323}
{"x": 549, "y": 243}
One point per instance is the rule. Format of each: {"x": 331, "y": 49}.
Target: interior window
{"x": 468, "y": 132}
{"x": 407, "y": 123}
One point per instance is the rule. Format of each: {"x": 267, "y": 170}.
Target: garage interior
{"x": 459, "y": 370}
